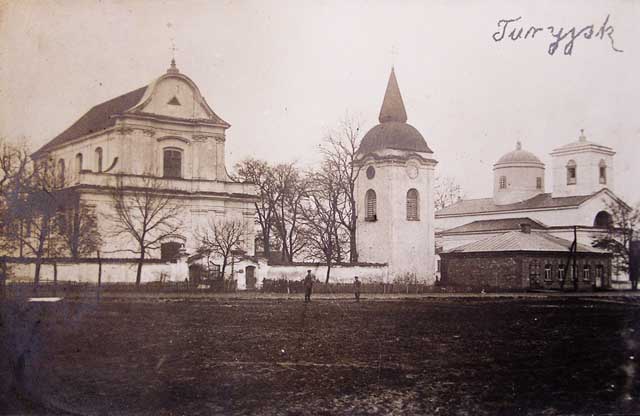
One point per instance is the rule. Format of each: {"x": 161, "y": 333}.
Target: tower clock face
{"x": 412, "y": 171}
{"x": 371, "y": 172}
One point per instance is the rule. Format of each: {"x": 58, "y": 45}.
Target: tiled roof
{"x": 485, "y": 205}
{"x": 97, "y": 119}
{"x": 519, "y": 241}
{"x": 505, "y": 224}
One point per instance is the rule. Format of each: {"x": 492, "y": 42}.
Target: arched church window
{"x": 61, "y": 173}
{"x": 412, "y": 205}
{"x": 503, "y": 182}
{"x": 172, "y": 163}
{"x": 170, "y": 251}
{"x": 99, "y": 159}
{"x": 79, "y": 162}
{"x": 572, "y": 173}
{"x": 603, "y": 219}
{"x": 539, "y": 182}
{"x": 370, "y": 204}
{"x": 602, "y": 166}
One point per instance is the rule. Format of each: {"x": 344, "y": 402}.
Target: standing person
{"x": 356, "y": 288}
{"x": 308, "y": 285}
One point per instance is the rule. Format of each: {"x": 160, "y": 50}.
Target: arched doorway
{"x": 603, "y": 219}
{"x": 250, "y": 276}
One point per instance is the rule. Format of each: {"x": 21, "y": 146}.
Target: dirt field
{"x": 269, "y": 356}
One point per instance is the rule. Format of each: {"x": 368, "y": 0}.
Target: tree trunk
{"x": 99, "y": 276}
{"x": 139, "y": 272}
{"x": 55, "y": 278}
{"x": 353, "y": 250}
{"x": 36, "y": 277}
{"x": 328, "y": 271}
{"x": 3, "y": 278}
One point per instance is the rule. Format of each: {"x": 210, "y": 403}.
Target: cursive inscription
{"x": 511, "y": 29}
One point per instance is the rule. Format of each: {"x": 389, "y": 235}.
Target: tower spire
{"x": 392, "y": 105}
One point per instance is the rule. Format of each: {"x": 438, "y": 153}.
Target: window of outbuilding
{"x": 548, "y": 273}
{"x": 172, "y": 163}
{"x": 413, "y": 205}
{"x": 370, "y": 204}
{"x": 561, "y": 272}
{"x": 572, "y": 173}
{"x": 586, "y": 273}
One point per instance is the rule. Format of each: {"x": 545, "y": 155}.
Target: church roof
{"x": 97, "y": 118}
{"x": 504, "y": 224}
{"x": 393, "y": 132}
{"x": 521, "y": 241}
{"x": 485, "y": 205}
{"x": 102, "y": 116}
{"x": 519, "y": 156}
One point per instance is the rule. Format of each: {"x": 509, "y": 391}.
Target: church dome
{"x": 393, "y": 132}
{"x": 519, "y": 156}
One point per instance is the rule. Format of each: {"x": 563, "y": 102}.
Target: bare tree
{"x": 291, "y": 189}
{"x": 339, "y": 152}
{"x": 446, "y": 192}
{"x": 221, "y": 237}
{"x": 622, "y": 230}
{"x": 260, "y": 173}
{"x": 146, "y": 213}
{"x": 77, "y": 226}
{"x": 321, "y": 223}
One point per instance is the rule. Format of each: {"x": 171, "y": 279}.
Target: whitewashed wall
{"x": 339, "y": 274}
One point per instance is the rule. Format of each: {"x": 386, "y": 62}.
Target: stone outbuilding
{"x": 523, "y": 260}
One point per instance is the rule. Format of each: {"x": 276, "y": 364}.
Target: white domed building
{"x": 395, "y": 214}
{"x": 581, "y": 193}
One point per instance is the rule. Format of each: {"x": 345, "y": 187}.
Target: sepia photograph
{"x": 319, "y": 207}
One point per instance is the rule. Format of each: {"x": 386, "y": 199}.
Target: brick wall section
{"x": 514, "y": 271}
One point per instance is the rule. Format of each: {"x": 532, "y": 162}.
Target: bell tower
{"x": 394, "y": 191}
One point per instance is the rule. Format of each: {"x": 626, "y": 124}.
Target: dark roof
{"x": 393, "y": 132}
{"x": 97, "y": 119}
{"x": 484, "y": 205}
{"x": 393, "y": 135}
{"x": 520, "y": 241}
{"x": 392, "y": 106}
{"x": 505, "y": 224}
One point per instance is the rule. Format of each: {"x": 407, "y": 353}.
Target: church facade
{"x": 394, "y": 190}
{"x": 163, "y": 132}
{"x": 582, "y": 191}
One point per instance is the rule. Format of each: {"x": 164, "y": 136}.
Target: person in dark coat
{"x": 356, "y": 288}
{"x": 308, "y": 286}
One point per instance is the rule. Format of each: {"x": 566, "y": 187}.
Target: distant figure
{"x": 356, "y": 288}
{"x": 308, "y": 285}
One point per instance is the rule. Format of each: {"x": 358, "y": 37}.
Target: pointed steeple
{"x": 392, "y": 105}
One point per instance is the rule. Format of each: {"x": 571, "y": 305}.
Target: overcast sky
{"x": 283, "y": 73}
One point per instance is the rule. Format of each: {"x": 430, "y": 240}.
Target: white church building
{"x": 581, "y": 191}
{"x": 167, "y": 131}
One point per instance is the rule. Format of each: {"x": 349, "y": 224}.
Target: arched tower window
{"x": 370, "y": 205}
{"x": 503, "y": 182}
{"x": 172, "y": 163}
{"x": 99, "y": 159}
{"x": 572, "y": 172}
{"x": 79, "y": 162}
{"x": 412, "y": 205}
{"x": 61, "y": 172}
{"x": 603, "y": 219}
{"x": 602, "y": 168}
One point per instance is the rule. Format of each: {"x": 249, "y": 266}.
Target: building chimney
{"x": 525, "y": 228}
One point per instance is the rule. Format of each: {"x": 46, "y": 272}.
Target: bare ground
{"x": 462, "y": 356}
